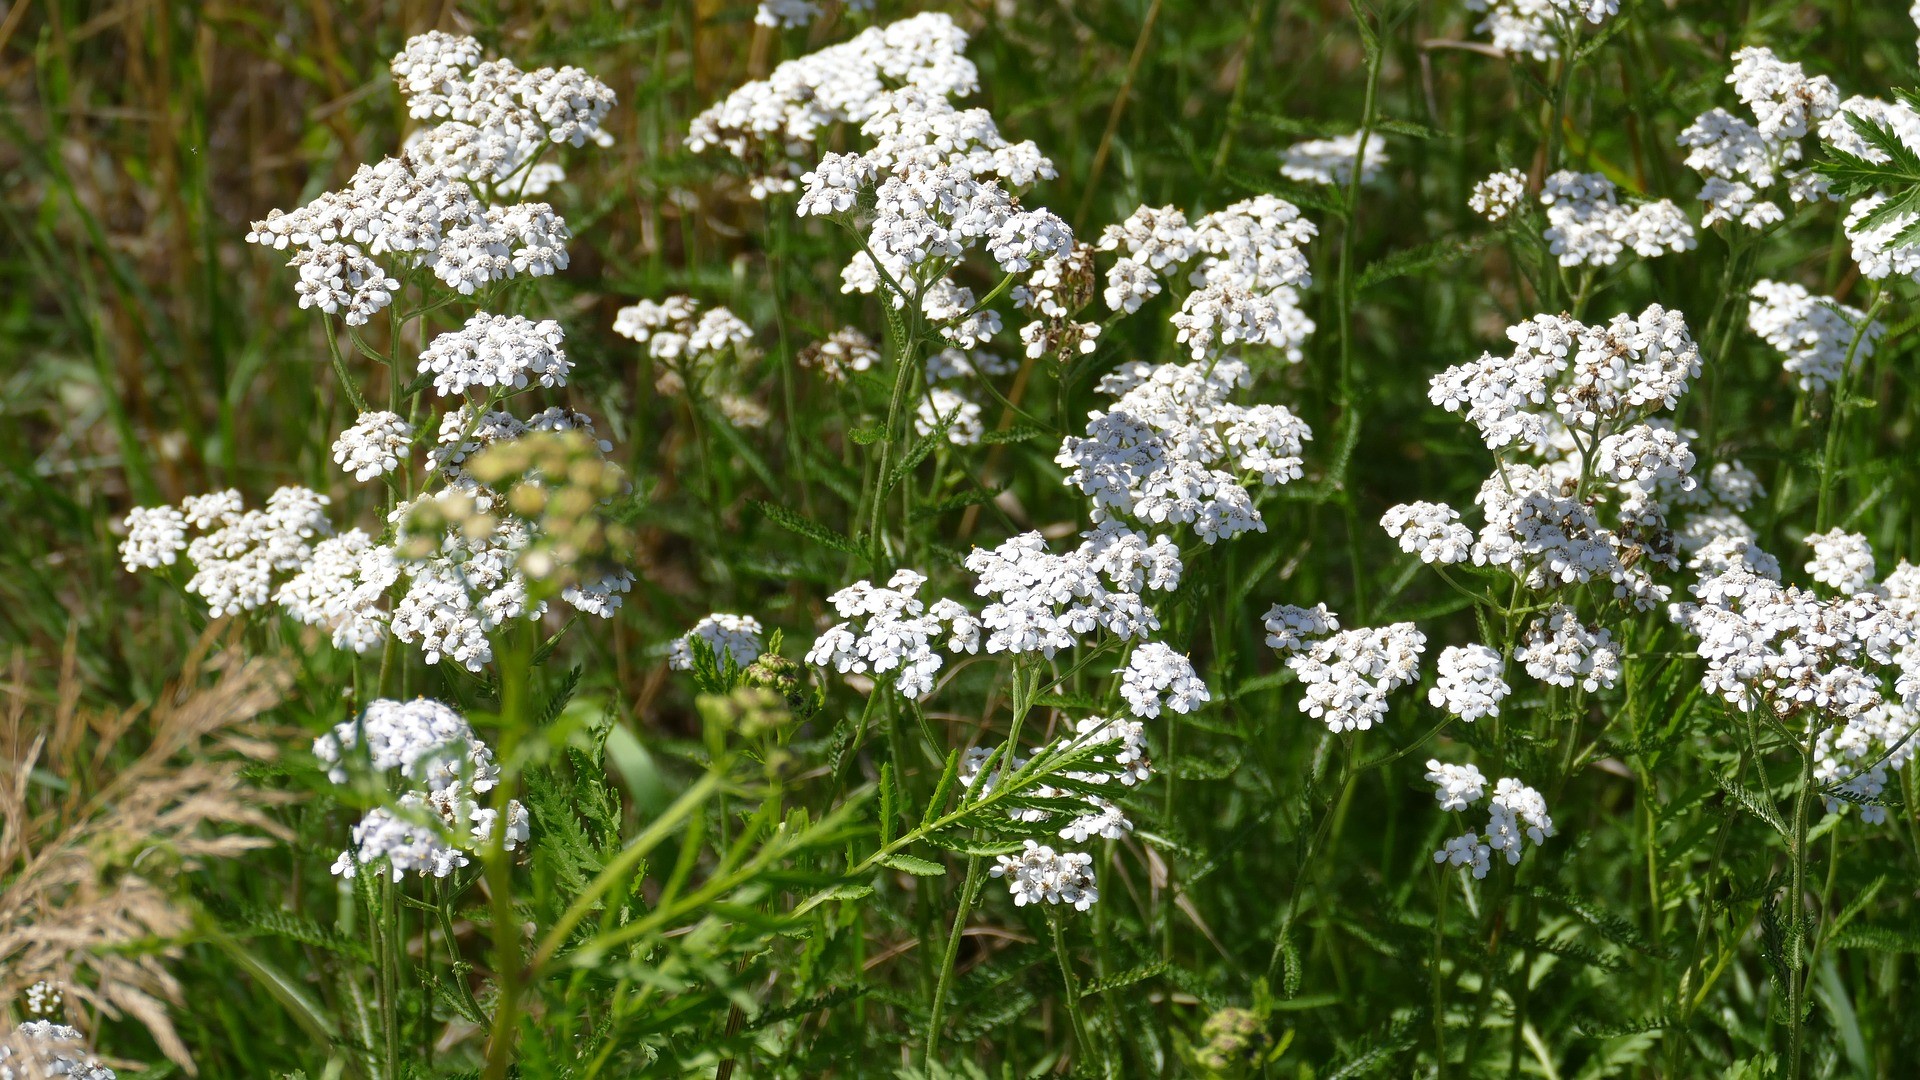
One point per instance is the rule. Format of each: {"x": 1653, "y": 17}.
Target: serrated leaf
{"x": 911, "y": 864}
{"x": 867, "y": 436}
{"x": 801, "y": 525}
{"x": 285, "y": 924}
{"x": 957, "y": 502}
{"x": 1014, "y": 434}
{"x": 1884, "y": 939}
{"x": 1415, "y": 259}
{"x": 1652, "y": 1022}
{"x": 1410, "y": 128}
{"x": 1755, "y": 803}
{"x": 1124, "y": 979}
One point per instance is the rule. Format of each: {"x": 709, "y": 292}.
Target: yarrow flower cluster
{"x": 431, "y": 205}
{"x": 1560, "y": 650}
{"x": 1878, "y": 245}
{"x": 891, "y": 630}
{"x": 731, "y": 637}
{"x": 1290, "y": 628}
{"x": 1741, "y": 160}
{"x": 774, "y": 124}
{"x": 691, "y": 349}
{"x": 1536, "y": 28}
{"x": 1498, "y": 195}
{"x": 43, "y": 999}
{"x": 1429, "y": 530}
{"x": 1156, "y": 677}
{"x": 1842, "y": 561}
{"x": 1587, "y": 226}
{"x": 1570, "y": 392}
{"x": 1348, "y": 674}
{"x": 1040, "y": 602}
{"x": 1829, "y": 662}
{"x": 1157, "y": 454}
{"x": 1039, "y": 873}
{"x": 841, "y": 354}
{"x": 1516, "y": 814}
{"x": 1249, "y": 264}
{"x": 1331, "y": 161}
{"x": 1470, "y": 684}
{"x": 1815, "y": 334}
{"x": 238, "y": 552}
{"x": 375, "y": 445}
{"x": 47, "y": 1049}
{"x": 1456, "y": 787}
{"x": 444, "y": 585}
{"x": 496, "y": 351}
{"x": 438, "y": 821}
{"x": 787, "y": 14}
{"x": 1775, "y": 646}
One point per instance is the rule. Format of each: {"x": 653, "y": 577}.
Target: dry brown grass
{"x": 96, "y": 830}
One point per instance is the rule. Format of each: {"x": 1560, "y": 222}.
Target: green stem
{"x": 1841, "y": 388}
{"x": 1072, "y": 999}
{"x": 938, "y": 1013}
{"x": 1350, "y": 413}
{"x": 1437, "y": 987}
{"x": 515, "y": 654}
{"x": 1799, "y": 972}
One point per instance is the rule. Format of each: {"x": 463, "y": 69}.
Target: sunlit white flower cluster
{"x": 438, "y": 821}
{"x": 1742, "y": 161}
{"x": 343, "y": 589}
{"x": 1456, "y": 787}
{"x": 1560, "y": 650}
{"x": 1842, "y": 561}
{"x": 1348, "y": 674}
{"x": 1516, "y": 814}
{"x": 774, "y": 124}
{"x": 1830, "y": 661}
{"x": 375, "y": 445}
{"x": 1245, "y": 284}
{"x": 1787, "y": 649}
{"x": 890, "y": 630}
{"x": 1877, "y": 247}
{"x": 1156, "y": 676}
{"x": 1040, "y": 874}
{"x": 1814, "y": 334}
{"x": 1470, "y": 684}
{"x": 1161, "y": 453}
{"x": 1581, "y": 398}
{"x": 1290, "y": 628}
{"x": 506, "y": 352}
{"x": 1536, "y": 28}
{"x": 433, "y": 206}
{"x": 1587, "y": 226}
{"x": 239, "y": 551}
{"x": 1041, "y": 602}
{"x": 787, "y": 14}
{"x": 1429, "y": 530}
